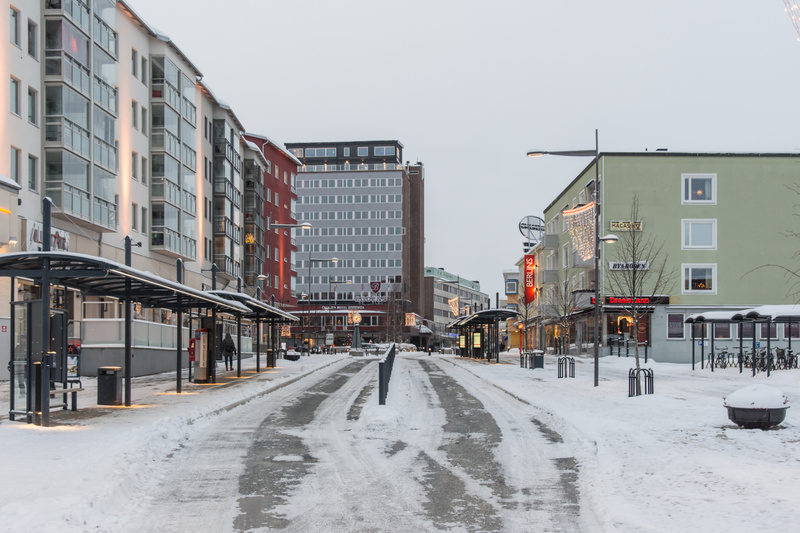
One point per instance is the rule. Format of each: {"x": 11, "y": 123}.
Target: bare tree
{"x": 644, "y": 273}
{"x": 562, "y": 301}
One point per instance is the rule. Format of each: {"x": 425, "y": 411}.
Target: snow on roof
{"x": 8, "y": 182}
{"x": 279, "y": 146}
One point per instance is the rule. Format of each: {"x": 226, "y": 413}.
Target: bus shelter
{"x": 43, "y": 327}
{"x": 479, "y": 333}
{"x": 259, "y": 312}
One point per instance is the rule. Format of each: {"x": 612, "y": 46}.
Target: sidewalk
{"x": 160, "y": 390}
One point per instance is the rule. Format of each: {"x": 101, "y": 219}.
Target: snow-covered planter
{"x": 757, "y": 406}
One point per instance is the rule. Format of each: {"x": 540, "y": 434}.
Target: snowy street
{"x": 461, "y": 445}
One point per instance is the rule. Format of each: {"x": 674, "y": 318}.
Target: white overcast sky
{"x": 468, "y": 87}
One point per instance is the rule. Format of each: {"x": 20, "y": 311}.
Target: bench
{"x": 71, "y": 390}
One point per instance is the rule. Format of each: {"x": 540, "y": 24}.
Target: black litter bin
{"x": 109, "y": 385}
{"x": 538, "y": 359}
{"x": 270, "y": 358}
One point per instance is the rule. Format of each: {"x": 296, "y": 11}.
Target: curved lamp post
{"x": 598, "y": 239}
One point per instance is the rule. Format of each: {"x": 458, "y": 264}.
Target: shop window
{"x": 675, "y": 328}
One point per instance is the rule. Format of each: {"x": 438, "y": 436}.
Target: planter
{"x": 757, "y": 418}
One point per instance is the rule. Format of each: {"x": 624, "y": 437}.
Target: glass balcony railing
{"x": 71, "y": 200}
{"x": 105, "y": 213}
{"x": 350, "y": 167}
{"x": 225, "y": 226}
{"x": 106, "y": 96}
{"x": 164, "y": 140}
{"x": 76, "y": 10}
{"x": 59, "y": 65}
{"x": 61, "y": 131}
{"x": 164, "y": 90}
{"x": 105, "y": 155}
{"x": 165, "y": 239}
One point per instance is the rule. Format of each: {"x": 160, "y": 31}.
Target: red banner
{"x": 530, "y": 280}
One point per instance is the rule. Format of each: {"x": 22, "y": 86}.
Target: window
{"x": 768, "y": 330}
{"x": 721, "y": 331}
{"x": 33, "y": 165}
{"x": 33, "y": 46}
{"x": 699, "y": 234}
{"x": 14, "y": 164}
{"x": 511, "y": 286}
{"x": 384, "y": 150}
{"x": 134, "y": 62}
{"x": 135, "y": 114}
{"x": 134, "y": 217}
{"x": 699, "y": 279}
{"x": 15, "y": 26}
{"x": 144, "y": 71}
{"x": 144, "y": 170}
{"x": 15, "y": 96}
{"x": 32, "y": 107}
{"x": 565, "y": 256}
{"x": 346, "y": 151}
{"x": 699, "y": 188}
{"x": 320, "y": 152}
{"x": 792, "y": 329}
{"x": 144, "y": 220}
{"x": 363, "y": 151}
{"x": 134, "y": 165}
{"x": 144, "y": 121}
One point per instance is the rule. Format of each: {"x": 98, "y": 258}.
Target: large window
{"x": 320, "y": 152}
{"x": 699, "y": 188}
{"x": 384, "y": 150}
{"x": 699, "y": 234}
{"x": 699, "y": 279}
{"x": 33, "y": 114}
{"x": 675, "y": 328}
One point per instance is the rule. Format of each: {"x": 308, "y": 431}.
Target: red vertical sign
{"x": 530, "y": 281}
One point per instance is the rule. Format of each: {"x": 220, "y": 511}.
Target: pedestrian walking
{"x": 228, "y": 349}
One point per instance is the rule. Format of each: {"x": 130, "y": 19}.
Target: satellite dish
{"x": 532, "y": 228}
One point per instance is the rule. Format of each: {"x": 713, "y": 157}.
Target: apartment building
{"x": 112, "y": 121}
{"x": 451, "y": 297}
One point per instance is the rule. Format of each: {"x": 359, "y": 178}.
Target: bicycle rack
{"x": 566, "y": 367}
{"x": 634, "y": 381}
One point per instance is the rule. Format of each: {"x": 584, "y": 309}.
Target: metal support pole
{"x": 128, "y": 330}
{"x": 179, "y": 340}
{"x": 239, "y": 333}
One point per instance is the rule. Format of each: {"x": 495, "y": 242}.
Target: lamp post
{"x": 308, "y": 310}
{"x": 597, "y": 240}
{"x": 270, "y": 228}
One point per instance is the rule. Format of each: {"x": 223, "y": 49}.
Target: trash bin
{"x": 109, "y": 385}
{"x": 270, "y": 358}
{"x": 538, "y": 359}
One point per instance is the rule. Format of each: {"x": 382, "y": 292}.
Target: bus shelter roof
{"x": 773, "y": 313}
{"x": 486, "y": 316}
{"x": 257, "y": 309}
{"x": 95, "y": 276}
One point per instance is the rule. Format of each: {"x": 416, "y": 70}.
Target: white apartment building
{"x": 109, "y": 119}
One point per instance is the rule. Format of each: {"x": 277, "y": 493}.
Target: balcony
{"x": 224, "y": 186}
{"x": 164, "y": 140}
{"x": 227, "y": 266}
{"x": 223, "y": 148}
{"x": 549, "y": 276}
{"x": 58, "y": 66}
{"x": 549, "y": 242}
{"x": 69, "y": 200}
{"x": 62, "y": 132}
{"x": 166, "y": 240}
{"x": 75, "y": 10}
{"x": 163, "y": 91}
{"x": 350, "y": 167}
{"x": 105, "y": 155}
{"x": 225, "y": 226}
{"x": 105, "y": 213}
{"x": 106, "y": 96}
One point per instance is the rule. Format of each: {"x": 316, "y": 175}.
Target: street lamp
{"x": 598, "y": 239}
{"x": 270, "y": 228}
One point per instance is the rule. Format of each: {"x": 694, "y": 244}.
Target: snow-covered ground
{"x": 671, "y": 461}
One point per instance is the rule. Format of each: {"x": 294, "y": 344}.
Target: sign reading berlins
{"x": 625, "y": 225}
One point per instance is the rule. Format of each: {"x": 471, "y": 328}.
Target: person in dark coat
{"x": 228, "y": 349}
